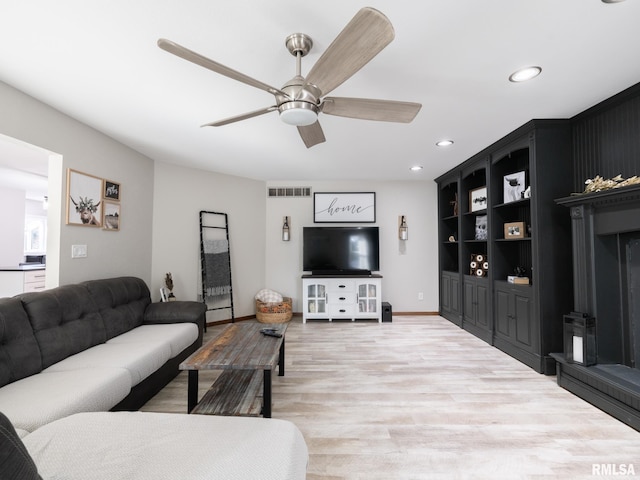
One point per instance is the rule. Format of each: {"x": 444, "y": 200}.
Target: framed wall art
{"x": 344, "y": 207}
{"x": 84, "y": 199}
{"x": 514, "y": 187}
{"x": 111, "y": 191}
{"x": 111, "y": 218}
{"x": 478, "y": 199}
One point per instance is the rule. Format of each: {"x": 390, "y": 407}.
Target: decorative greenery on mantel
{"x": 599, "y": 184}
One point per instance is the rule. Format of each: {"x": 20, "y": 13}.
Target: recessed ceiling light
{"x": 416, "y": 168}
{"x": 444, "y": 143}
{"x": 524, "y": 74}
{"x": 612, "y": 1}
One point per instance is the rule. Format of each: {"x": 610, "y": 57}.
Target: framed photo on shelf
{"x": 478, "y": 199}
{"x": 514, "y": 187}
{"x": 514, "y": 230}
{"x": 481, "y": 227}
{"x": 344, "y": 207}
{"x": 84, "y": 199}
{"x": 111, "y": 218}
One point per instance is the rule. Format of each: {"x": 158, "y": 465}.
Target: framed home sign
{"x": 344, "y": 207}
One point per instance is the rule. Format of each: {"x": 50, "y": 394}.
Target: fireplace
{"x": 606, "y": 277}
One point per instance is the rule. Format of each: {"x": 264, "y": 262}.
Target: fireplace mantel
{"x": 605, "y": 229}
{"x": 615, "y": 211}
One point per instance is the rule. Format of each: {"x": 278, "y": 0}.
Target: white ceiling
{"x": 99, "y": 62}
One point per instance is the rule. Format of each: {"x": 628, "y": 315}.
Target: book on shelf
{"x": 518, "y": 280}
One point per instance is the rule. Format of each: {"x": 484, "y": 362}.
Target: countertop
{"x": 24, "y": 268}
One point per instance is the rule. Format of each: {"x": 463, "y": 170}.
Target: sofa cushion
{"x": 167, "y": 446}
{"x": 40, "y": 399}
{"x": 15, "y": 461}
{"x": 176, "y": 336}
{"x": 19, "y": 351}
{"x": 121, "y": 302}
{"x": 65, "y": 321}
{"x": 140, "y": 360}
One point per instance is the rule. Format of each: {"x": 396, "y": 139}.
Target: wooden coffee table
{"x": 246, "y": 357}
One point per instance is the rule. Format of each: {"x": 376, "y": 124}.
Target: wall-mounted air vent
{"x": 288, "y": 192}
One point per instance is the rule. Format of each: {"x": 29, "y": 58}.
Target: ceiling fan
{"x": 301, "y": 99}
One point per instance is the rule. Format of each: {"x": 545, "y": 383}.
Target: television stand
{"x": 335, "y": 296}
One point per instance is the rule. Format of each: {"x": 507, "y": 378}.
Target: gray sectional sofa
{"x": 72, "y": 358}
{"x": 95, "y": 346}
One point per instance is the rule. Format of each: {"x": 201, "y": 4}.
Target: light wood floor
{"x": 419, "y": 398}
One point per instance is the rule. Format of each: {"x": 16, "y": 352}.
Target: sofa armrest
{"x": 176, "y": 312}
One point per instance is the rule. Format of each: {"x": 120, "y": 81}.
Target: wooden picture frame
{"x": 514, "y": 230}
{"x": 478, "y": 199}
{"x": 111, "y": 191}
{"x": 84, "y": 199}
{"x": 344, "y": 207}
{"x": 111, "y": 217}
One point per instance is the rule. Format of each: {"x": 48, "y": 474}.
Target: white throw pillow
{"x": 268, "y": 296}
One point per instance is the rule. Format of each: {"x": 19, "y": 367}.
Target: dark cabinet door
{"x": 482, "y": 296}
{"x": 523, "y": 320}
{"x": 503, "y": 313}
{"x": 470, "y": 302}
{"x": 455, "y": 295}
{"x": 445, "y": 293}
{"x": 514, "y": 319}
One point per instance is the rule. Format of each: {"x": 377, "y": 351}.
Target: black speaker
{"x": 386, "y": 312}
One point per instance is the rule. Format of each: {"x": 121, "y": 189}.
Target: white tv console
{"x": 341, "y": 297}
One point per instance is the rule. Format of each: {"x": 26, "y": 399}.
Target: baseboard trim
{"x": 299, "y": 314}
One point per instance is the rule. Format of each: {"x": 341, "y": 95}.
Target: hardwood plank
{"x": 420, "y": 398}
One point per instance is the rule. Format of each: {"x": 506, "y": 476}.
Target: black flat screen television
{"x": 340, "y": 250}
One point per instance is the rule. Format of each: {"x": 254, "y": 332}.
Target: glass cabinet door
{"x": 367, "y": 298}
{"x": 317, "y": 300}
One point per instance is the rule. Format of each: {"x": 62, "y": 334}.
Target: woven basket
{"x": 280, "y": 312}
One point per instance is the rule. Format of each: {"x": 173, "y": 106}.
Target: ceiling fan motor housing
{"x": 301, "y": 105}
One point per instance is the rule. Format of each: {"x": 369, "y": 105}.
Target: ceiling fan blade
{"x": 238, "y": 118}
{"x": 368, "y": 109}
{"x": 205, "y": 62}
{"x": 312, "y": 134}
{"x": 368, "y": 32}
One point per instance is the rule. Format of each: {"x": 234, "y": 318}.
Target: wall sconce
{"x": 403, "y": 230}
{"x": 285, "y": 230}
{"x": 45, "y": 203}
{"x": 580, "y": 339}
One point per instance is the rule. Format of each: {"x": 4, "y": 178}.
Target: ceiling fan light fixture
{"x": 524, "y": 74}
{"x": 299, "y": 114}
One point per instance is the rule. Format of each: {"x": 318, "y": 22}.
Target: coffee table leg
{"x": 266, "y": 394}
{"x": 192, "y": 390}
{"x": 281, "y": 360}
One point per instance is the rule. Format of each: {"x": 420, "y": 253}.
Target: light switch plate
{"x": 78, "y": 251}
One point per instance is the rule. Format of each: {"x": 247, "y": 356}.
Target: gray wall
{"x": 160, "y": 205}
{"x": 82, "y": 148}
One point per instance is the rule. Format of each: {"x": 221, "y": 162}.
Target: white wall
{"x": 12, "y": 221}
{"x": 127, "y": 252}
{"x": 180, "y": 195}
{"x": 160, "y": 218}
{"x": 408, "y": 268}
